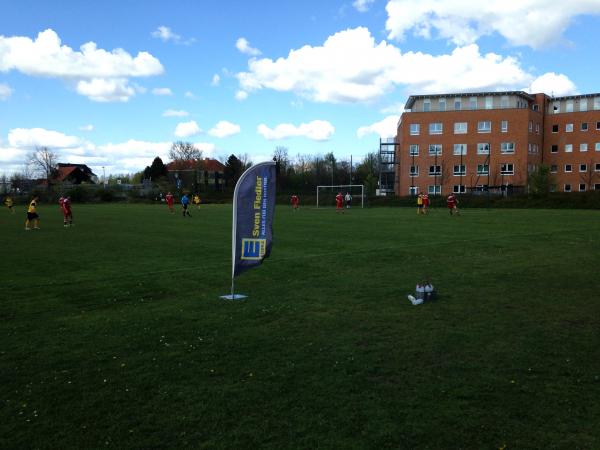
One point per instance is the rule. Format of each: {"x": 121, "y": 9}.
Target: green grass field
{"x": 114, "y": 336}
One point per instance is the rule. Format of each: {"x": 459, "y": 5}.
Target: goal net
{"x": 326, "y": 195}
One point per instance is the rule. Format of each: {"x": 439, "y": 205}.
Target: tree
{"x": 233, "y": 170}
{"x": 156, "y": 171}
{"x": 43, "y": 162}
{"x": 589, "y": 176}
{"x": 282, "y": 161}
{"x": 182, "y": 152}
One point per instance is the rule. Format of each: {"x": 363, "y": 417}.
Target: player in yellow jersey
{"x": 196, "y": 201}
{"x": 32, "y": 215}
{"x": 8, "y": 201}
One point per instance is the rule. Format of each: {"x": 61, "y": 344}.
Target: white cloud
{"x": 385, "y": 128}
{"x": 162, "y": 91}
{"x": 553, "y": 84}
{"x": 352, "y": 67}
{"x": 362, "y": 5}
{"x": 224, "y": 129}
{"x": 190, "y": 95}
{"x": 317, "y": 130}
{"x": 187, "y": 129}
{"x": 244, "y": 46}
{"x": 395, "y": 108}
{"x": 175, "y": 113}
{"x": 166, "y": 34}
{"x": 534, "y": 23}
{"x": 216, "y": 79}
{"x": 39, "y": 137}
{"x": 106, "y": 89}
{"x": 5, "y": 91}
{"x": 91, "y": 69}
{"x": 88, "y": 127}
{"x": 241, "y": 95}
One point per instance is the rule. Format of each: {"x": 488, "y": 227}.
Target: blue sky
{"x": 244, "y": 77}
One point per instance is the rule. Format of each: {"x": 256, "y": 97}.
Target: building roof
{"x": 570, "y": 97}
{"x": 64, "y": 171}
{"x": 411, "y": 100}
{"x": 83, "y": 167}
{"x": 211, "y": 165}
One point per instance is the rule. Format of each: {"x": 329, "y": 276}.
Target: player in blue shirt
{"x": 185, "y": 202}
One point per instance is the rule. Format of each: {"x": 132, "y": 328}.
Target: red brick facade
{"x": 516, "y": 127}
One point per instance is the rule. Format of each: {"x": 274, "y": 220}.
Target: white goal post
{"x": 343, "y": 188}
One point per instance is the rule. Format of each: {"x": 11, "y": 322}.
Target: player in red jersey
{"x": 170, "y": 201}
{"x": 452, "y": 201}
{"x": 339, "y": 203}
{"x": 295, "y": 201}
{"x": 425, "y": 203}
{"x": 65, "y": 205}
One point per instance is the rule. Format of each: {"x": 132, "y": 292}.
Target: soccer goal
{"x": 326, "y": 194}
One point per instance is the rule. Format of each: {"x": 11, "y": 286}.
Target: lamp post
{"x": 103, "y": 177}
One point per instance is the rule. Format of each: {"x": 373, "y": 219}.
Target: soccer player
{"x": 185, "y": 202}
{"x": 425, "y": 203}
{"x": 170, "y": 200}
{"x": 8, "y": 201}
{"x": 348, "y": 200}
{"x": 67, "y": 213}
{"x": 452, "y": 201}
{"x": 339, "y": 203}
{"x": 197, "y": 201}
{"x": 420, "y": 203}
{"x": 295, "y": 201}
{"x": 32, "y": 215}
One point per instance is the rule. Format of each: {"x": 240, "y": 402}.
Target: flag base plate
{"x": 233, "y": 297}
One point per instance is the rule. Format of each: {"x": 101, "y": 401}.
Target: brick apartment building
{"x": 492, "y": 140}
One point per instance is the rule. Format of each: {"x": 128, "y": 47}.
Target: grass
{"x": 113, "y": 334}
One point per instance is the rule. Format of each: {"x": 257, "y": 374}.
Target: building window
{"x": 583, "y": 106}
{"x": 569, "y": 127}
{"x": 583, "y": 147}
{"x": 484, "y": 126}
{"x": 483, "y": 169}
{"x": 597, "y": 167}
{"x": 555, "y": 128}
{"x": 473, "y": 103}
{"x": 460, "y": 149}
{"x": 483, "y": 148}
{"x": 553, "y": 168}
{"x": 584, "y": 126}
{"x": 414, "y": 171}
{"x": 460, "y": 127}
{"x": 457, "y": 104}
{"x": 567, "y": 188}
{"x": 426, "y": 105}
{"x": 554, "y": 149}
{"x": 556, "y": 107}
{"x": 597, "y": 125}
{"x": 507, "y": 169}
{"x": 489, "y": 102}
{"x": 597, "y": 146}
{"x": 436, "y": 128}
{"x": 415, "y": 129}
{"x": 504, "y": 101}
{"x": 596, "y": 103}
{"x": 507, "y": 148}
{"x": 414, "y": 150}
{"x": 568, "y": 148}
{"x": 581, "y": 187}
{"x": 434, "y": 190}
{"x": 435, "y": 170}
{"x": 583, "y": 167}
{"x": 530, "y": 126}
{"x": 535, "y": 107}
{"x": 459, "y": 189}
{"x": 504, "y": 126}
{"x": 597, "y": 187}
{"x": 460, "y": 169}
{"x": 568, "y": 168}
{"x": 569, "y": 107}
{"x": 442, "y": 104}
{"x": 435, "y": 149}
{"x": 413, "y": 190}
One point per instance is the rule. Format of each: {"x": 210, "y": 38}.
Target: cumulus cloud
{"x": 244, "y": 46}
{"x": 224, "y": 129}
{"x": 385, "y": 128}
{"x": 317, "y": 130}
{"x": 175, "y": 113}
{"x": 189, "y": 95}
{"x": 162, "y": 91}
{"x": 39, "y": 137}
{"x": 165, "y": 34}
{"x": 362, "y": 5}
{"x": 241, "y": 95}
{"x": 88, "y": 127}
{"x": 352, "y": 67}
{"x": 553, "y": 84}
{"x": 216, "y": 80}
{"x": 187, "y": 129}
{"x": 532, "y": 23}
{"x": 94, "y": 71}
{"x": 5, "y": 91}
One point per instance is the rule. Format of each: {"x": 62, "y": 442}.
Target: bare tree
{"x": 182, "y": 152}
{"x": 589, "y": 176}
{"x": 43, "y": 162}
{"x": 245, "y": 159}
